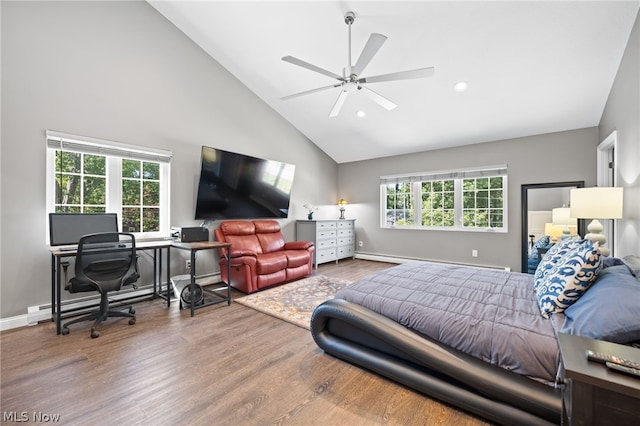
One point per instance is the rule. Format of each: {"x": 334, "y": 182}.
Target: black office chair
{"x": 105, "y": 262}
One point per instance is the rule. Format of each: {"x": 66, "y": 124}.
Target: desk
{"x": 60, "y": 252}
{"x": 595, "y": 395}
{"x": 206, "y": 245}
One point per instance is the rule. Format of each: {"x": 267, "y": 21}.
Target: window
{"x": 449, "y": 200}
{"x": 86, "y": 175}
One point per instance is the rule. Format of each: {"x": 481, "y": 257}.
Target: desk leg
{"x": 229, "y": 279}
{"x": 169, "y": 290}
{"x": 53, "y": 288}
{"x": 192, "y": 284}
{"x": 58, "y": 308}
{"x": 155, "y": 274}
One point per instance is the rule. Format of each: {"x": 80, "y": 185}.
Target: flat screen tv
{"x": 237, "y": 186}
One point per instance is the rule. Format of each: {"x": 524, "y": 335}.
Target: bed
{"x": 479, "y": 339}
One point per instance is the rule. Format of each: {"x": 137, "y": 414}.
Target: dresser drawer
{"x": 345, "y": 251}
{"x": 345, "y": 224}
{"x": 345, "y": 241}
{"x": 322, "y": 244}
{"x": 325, "y": 255}
{"x": 325, "y": 234}
{"x": 326, "y": 225}
{"x": 345, "y": 233}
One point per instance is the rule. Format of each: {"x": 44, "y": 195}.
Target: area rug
{"x": 295, "y": 302}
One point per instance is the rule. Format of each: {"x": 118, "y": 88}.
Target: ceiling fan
{"x": 350, "y": 79}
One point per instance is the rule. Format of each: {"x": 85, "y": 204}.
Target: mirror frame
{"x": 525, "y": 218}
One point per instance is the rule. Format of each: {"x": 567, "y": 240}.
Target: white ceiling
{"x": 532, "y": 67}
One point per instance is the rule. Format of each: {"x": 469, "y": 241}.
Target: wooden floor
{"x": 228, "y": 365}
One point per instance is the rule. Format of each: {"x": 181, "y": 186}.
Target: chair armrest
{"x": 298, "y": 245}
{"x": 242, "y": 252}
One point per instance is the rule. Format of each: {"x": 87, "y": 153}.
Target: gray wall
{"x": 121, "y": 71}
{"x": 622, "y": 113}
{"x": 555, "y": 157}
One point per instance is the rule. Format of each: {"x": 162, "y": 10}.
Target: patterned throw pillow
{"x": 565, "y": 273}
{"x": 541, "y": 243}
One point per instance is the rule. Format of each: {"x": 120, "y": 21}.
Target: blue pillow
{"x": 564, "y": 274}
{"x": 609, "y": 310}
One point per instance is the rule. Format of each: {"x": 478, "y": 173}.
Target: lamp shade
{"x": 562, "y": 216}
{"x": 552, "y": 230}
{"x": 596, "y": 203}
{"x": 342, "y": 202}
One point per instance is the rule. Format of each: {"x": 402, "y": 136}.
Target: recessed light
{"x": 361, "y": 114}
{"x": 461, "y": 86}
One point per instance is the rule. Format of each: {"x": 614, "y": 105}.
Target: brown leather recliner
{"x": 259, "y": 255}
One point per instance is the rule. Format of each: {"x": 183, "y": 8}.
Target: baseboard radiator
{"x": 394, "y": 259}
{"x": 36, "y": 314}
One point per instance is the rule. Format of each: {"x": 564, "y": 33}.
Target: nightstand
{"x": 594, "y": 394}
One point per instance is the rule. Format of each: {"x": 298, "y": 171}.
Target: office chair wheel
{"x": 94, "y": 333}
{"x": 132, "y": 321}
{"x": 65, "y": 331}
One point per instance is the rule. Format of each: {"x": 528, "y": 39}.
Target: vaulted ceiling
{"x": 532, "y": 67}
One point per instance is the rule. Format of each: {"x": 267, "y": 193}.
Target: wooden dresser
{"x": 334, "y": 239}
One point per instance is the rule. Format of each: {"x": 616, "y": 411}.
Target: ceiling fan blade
{"x": 303, "y": 64}
{"x": 308, "y": 92}
{"x": 402, "y": 75}
{"x": 338, "y": 105}
{"x": 374, "y": 44}
{"x": 379, "y": 99}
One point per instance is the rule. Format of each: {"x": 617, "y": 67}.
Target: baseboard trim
{"x": 398, "y": 260}
{"x": 40, "y": 313}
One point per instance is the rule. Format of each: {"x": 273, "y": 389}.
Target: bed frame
{"x": 364, "y": 338}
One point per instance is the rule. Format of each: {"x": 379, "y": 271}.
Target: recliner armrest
{"x": 242, "y": 252}
{"x": 298, "y": 245}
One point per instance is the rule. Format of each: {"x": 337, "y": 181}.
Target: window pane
{"x": 482, "y": 183}
{"x": 67, "y": 189}
{"x": 469, "y": 217}
{"x": 131, "y": 169}
{"x": 469, "y": 200}
{"x": 95, "y": 190}
{"x": 482, "y": 219}
{"x": 482, "y": 199}
{"x": 496, "y": 199}
{"x": 448, "y": 218}
{"x": 151, "y": 193}
{"x": 448, "y": 200}
{"x": 151, "y": 170}
{"x": 131, "y": 192}
{"x": 95, "y": 165}
{"x": 68, "y": 162}
{"x": 151, "y": 219}
{"x": 130, "y": 219}
{"x": 469, "y": 184}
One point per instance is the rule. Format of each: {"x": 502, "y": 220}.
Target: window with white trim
{"x": 87, "y": 175}
{"x": 473, "y": 199}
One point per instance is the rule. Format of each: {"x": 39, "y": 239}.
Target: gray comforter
{"x": 489, "y": 314}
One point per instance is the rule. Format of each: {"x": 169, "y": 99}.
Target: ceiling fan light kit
{"x": 350, "y": 80}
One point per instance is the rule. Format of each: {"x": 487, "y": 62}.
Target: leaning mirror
{"x": 538, "y": 231}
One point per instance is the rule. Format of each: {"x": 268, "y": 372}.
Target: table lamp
{"x": 553, "y": 231}
{"x": 562, "y": 217}
{"x": 596, "y": 203}
{"x": 342, "y": 203}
